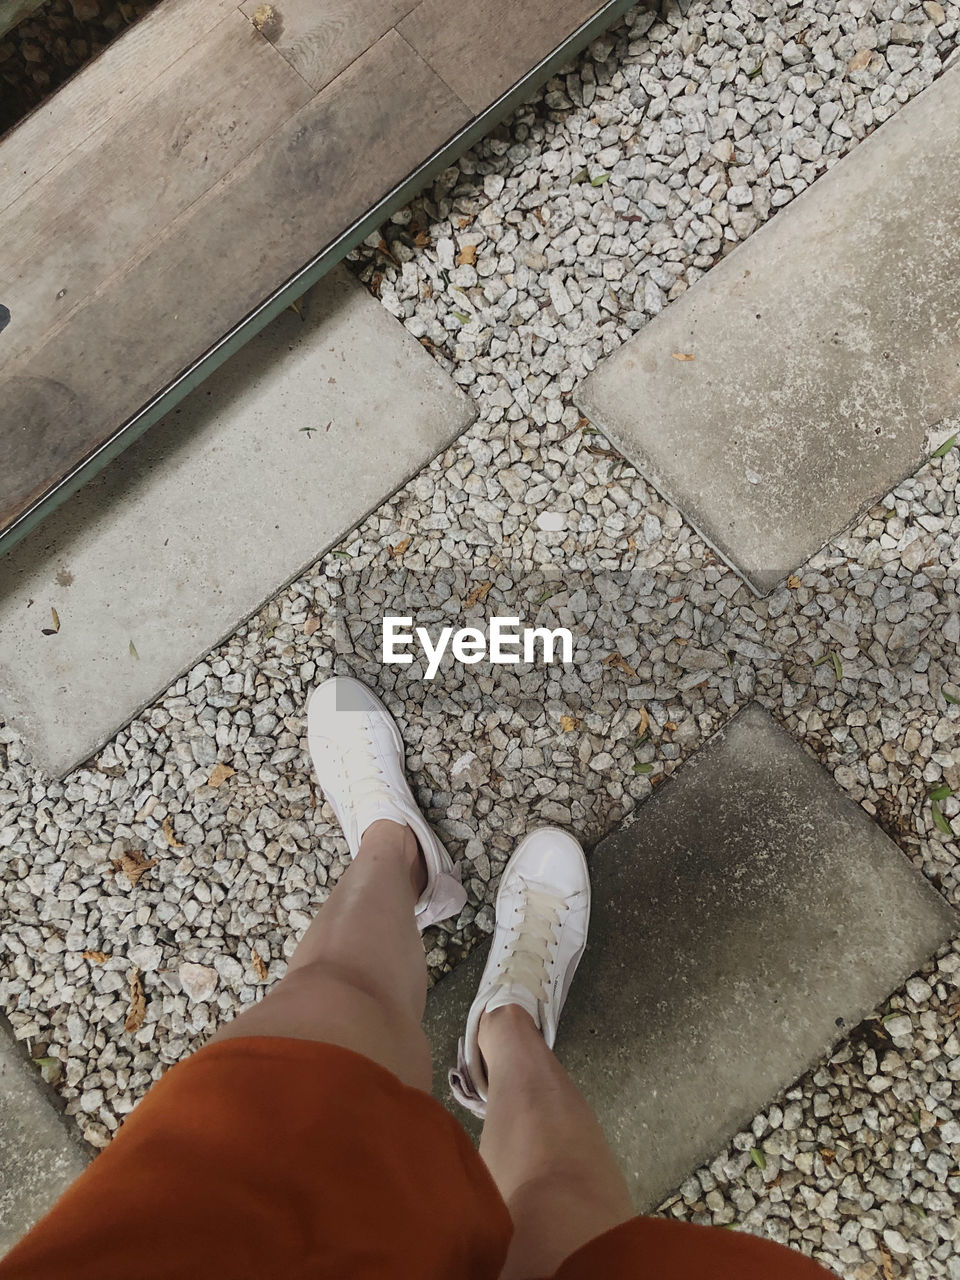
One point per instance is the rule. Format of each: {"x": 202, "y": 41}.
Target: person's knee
{"x": 357, "y": 983}
{"x": 570, "y": 1189}
{"x": 352, "y": 1010}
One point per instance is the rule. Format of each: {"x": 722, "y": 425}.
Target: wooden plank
{"x": 78, "y": 226}
{"x": 14, "y": 11}
{"x": 323, "y": 168}
{"x": 482, "y": 50}
{"x": 102, "y": 90}
{"x": 321, "y": 40}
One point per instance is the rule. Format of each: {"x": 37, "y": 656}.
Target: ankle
{"x": 506, "y": 1022}
{"x": 398, "y": 839}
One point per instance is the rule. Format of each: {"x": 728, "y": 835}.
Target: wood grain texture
{"x": 321, "y": 39}
{"x": 481, "y": 51}
{"x": 323, "y": 168}
{"x": 80, "y": 224}
{"x": 102, "y": 90}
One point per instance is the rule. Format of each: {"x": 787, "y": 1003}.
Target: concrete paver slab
{"x": 748, "y": 918}
{"x": 824, "y": 349}
{"x": 39, "y": 1156}
{"x": 287, "y": 447}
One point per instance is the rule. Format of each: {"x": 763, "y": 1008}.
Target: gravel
{"x": 858, "y": 1163}
{"x": 547, "y": 246}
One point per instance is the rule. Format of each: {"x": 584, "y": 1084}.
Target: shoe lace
{"x": 369, "y": 785}
{"x": 534, "y": 936}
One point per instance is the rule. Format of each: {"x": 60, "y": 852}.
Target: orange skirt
{"x": 265, "y": 1158}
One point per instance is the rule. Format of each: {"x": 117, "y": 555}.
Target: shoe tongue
{"x": 515, "y": 993}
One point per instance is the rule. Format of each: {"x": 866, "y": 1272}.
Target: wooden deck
{"x": 207, "y": 168}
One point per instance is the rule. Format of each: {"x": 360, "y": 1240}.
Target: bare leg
{"x": 545, "y": 1149}
{"x": 359, "y": 977}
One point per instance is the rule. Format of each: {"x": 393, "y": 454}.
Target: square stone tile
{"x": 824, "y": 361}
{"x": 746, "y": 920}
{"x": 40, "y": 1152}
{"x": 273, "y": 459}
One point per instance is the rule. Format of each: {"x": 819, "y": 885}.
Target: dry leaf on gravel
{"x": 138, "y": 1003}
{"x": 569, "y": 723}
{"x": 258, "y": 965}
{"x": 467, "y": 255}
{"x": 793, "y": 582}
{"x": 478, "y": 593}
{"x": 133, "y": 865}
{"x": 596, "y": 452}
{"x": 96, "y": 957}
{"x": 644, "y": 724}
{"x": 400, "y": 548}
{"x": 167, "y": 828}
{"x": 859, "y": 61}
{"x": 220, "y": 773}
{"x": 619, "y": 661}
{"x": 385, "y": 249}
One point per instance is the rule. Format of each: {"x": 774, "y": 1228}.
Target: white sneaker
{"x": 543, "y": 910}
{"x": 357, "y": 754}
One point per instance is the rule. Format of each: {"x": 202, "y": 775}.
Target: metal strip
{"x": 309, "y": 274}
{"x": 14, "y": 11}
